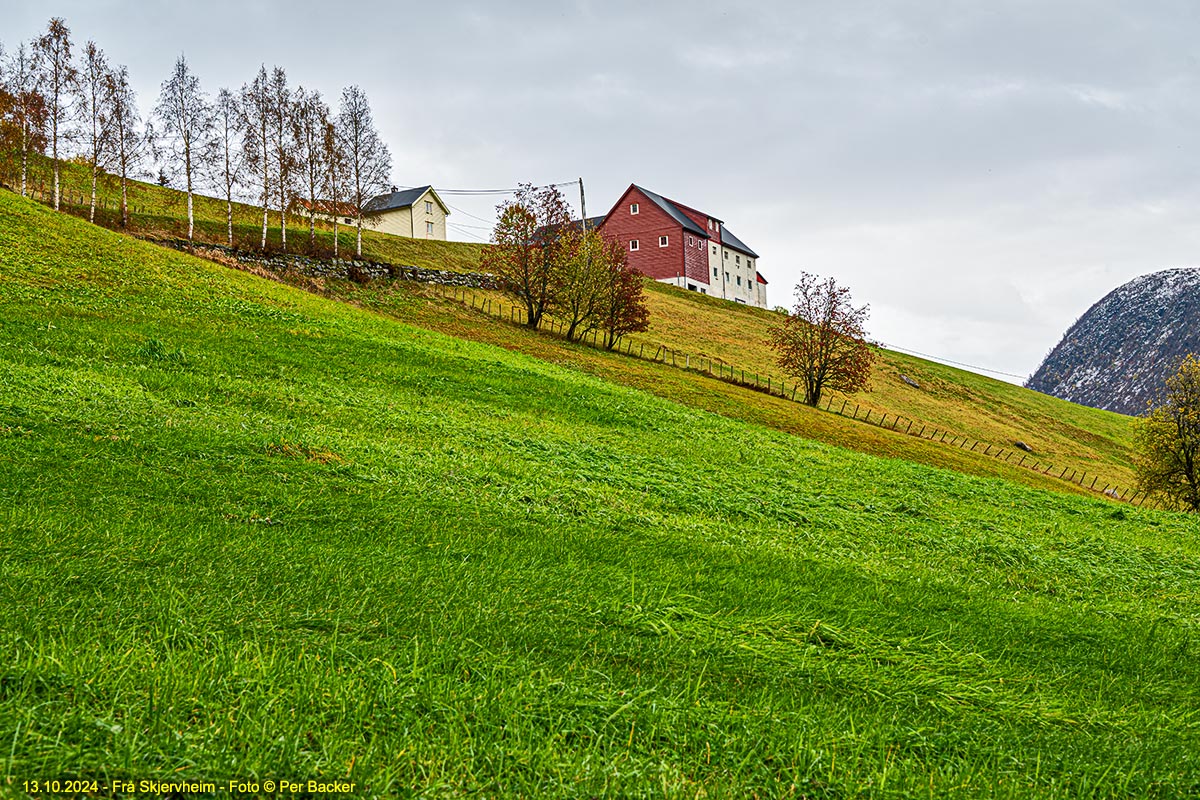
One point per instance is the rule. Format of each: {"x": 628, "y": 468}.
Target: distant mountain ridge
{"x": 1118, "y": 354}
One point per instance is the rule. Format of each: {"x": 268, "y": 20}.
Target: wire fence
{"x": 777, "y": 387}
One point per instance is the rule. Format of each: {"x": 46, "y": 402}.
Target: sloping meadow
{"x": 247, "y": 533}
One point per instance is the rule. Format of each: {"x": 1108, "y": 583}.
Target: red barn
{"x": 677, "y": 244}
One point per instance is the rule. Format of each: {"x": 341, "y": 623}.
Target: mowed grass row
{"x": 246, "y": 531}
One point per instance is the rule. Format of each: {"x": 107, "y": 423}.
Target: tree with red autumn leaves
{"x": 822, "y": 343}
{"x": 622, "y": 307}
{"x": 530, "y": 244}
{"x": 552, "y": 265}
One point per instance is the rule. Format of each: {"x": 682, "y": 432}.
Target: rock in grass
{"x": 1023, "y": 446}
{"x": 910, "y": 381}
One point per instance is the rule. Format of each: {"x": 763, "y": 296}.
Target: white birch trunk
{"x": 92, "y": 208}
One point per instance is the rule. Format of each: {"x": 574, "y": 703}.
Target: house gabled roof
{"x": 401, "y": 199}
{"x": 673, "y": 212}
{"x": 734, "y": 243}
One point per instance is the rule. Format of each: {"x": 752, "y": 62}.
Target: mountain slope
{"x": 1118, "y": 355}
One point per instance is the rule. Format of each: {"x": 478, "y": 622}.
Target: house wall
{"x": 730, "y": 266}
{"x": 436, "y": 215}
{"x": 397, "y": 222}
{"x": 410, "y": 222}
{"x": 651, "y": 222}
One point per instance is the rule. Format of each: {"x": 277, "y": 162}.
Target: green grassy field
{"x": 251, "y": 533}
{"x": 1065, "y": 435}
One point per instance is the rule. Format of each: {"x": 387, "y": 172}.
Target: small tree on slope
{"x": 1168, "y": 441}
{"x": 822, "y": 343}
{"x": 532, "y": 239}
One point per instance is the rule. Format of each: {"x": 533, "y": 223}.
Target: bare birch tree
{"x": 368, "y": 161}
{"x": 229, "y": 125}
{"x": 187, "y": 124}
{"x": 130, "y": 141}
{"x": 94, "y": 113}
{"x": 282, "y": 141}
{"x": 312, "y": 116}
{"x": 256, "y": 140}
{"x": 334, "y": 182}
{"x": 56, "y": 75}
{"x": 28, "y": 109}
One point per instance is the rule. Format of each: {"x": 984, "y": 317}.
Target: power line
{"x": 469, "y": 214}
{"x": 462, "y": 230}
{"x": 956, "y": 363}
{"x": 491, "y": 191}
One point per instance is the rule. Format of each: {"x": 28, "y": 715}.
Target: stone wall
{"x": 343, "y": 269}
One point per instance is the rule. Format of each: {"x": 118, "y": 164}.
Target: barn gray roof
{"x": 673, "y": 211}
{"x": 734, "y": 243}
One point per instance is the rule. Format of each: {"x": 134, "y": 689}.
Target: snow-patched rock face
{"x": 1118, "y": 355}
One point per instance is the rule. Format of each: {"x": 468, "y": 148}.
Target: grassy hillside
{"x": 973, "y": 405}
{"x": 161, "y": 212}
{"x": 1062, "y": 434}
{"x": 249, "y": 532}
{"x": 970, "y": 405}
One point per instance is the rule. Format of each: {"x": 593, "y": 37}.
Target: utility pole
{"x": 582, "y": 206}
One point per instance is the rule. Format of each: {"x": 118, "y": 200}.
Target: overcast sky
{"x": 979, "y": 173}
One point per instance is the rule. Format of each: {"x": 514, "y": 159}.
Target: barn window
{"x": 663, "y": 241}
{"x": 633, "y": 244}
{"x": 633, "y": 209}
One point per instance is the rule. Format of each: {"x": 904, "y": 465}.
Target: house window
{"x": 633, "y": 209}
{"x": 348, "y": 221}
{"x": 739, "y": 277}
{"x": 663, "y": 241}
{"x": 737, "y": 259}
{"x": 726, "y": 277}
{"x": 428, "y": 206}
{"x": 633, "y": 244}
{"x": 714, "y": 249}
{"x": 715, "y": 272}
{"x": 691, "y": 241}
{"x": 429, "y": 229}
{"x": 726, "y": 255}
{"x": 704, "y": 291}
{"x": 710, "y": 224}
